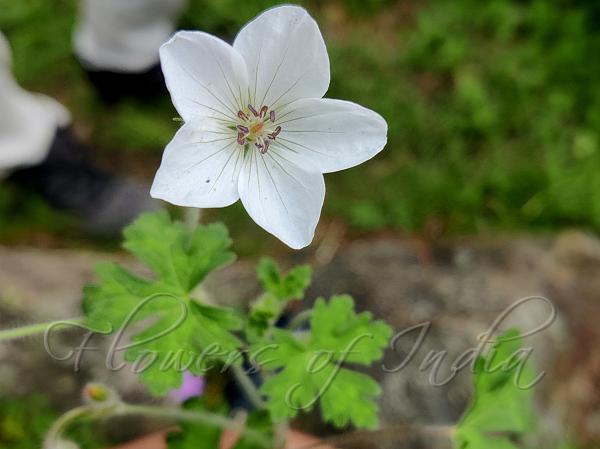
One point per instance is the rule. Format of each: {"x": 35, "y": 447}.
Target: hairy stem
{"x": 191, "y": 217}
{"x": 53, "y": 438}
{"x": 281, "y": 431}
{"x": 95, "y": 411}
{"x": 33, "y": 329}
{"x": 202, "y": 417}
{"x": 248, "y": 386}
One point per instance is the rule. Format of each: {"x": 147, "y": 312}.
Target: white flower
{"x": 256, "y": 125}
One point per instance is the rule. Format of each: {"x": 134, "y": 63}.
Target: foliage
{"x": 175, "y": 331}
{"x": 501, "y": 411}
{"x": 493, "y": 118}
{"x": 23, "y": 423}
{"x": 300, "y": 369}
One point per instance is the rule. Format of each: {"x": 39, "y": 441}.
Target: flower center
{"x": 257, "y": 127}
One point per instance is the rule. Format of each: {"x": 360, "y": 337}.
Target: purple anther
{"x": 263, "y": 111}
{"x": 243, "y": 129}
{"x": 266, "y": 147}
{"x": 272, "y": 116}
{"x": 241, "y": 139}
{"x": 242, "y": 115}
{"x": 275, "y": 133}
{"x": 254, "y": 111}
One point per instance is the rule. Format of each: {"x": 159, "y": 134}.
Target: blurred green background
{"x": 493, "y": 110}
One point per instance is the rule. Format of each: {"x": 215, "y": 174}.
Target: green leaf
{"x": 313, "y": 369}
{"x": 172, "y": 332}
{"x": 279, "y": 290}
{"x": 501, "y": 409}
{"x": 284, "y": 288}
{"x": 196, "y": 435}
{"x": 336, "y": 326}
{"x": 178, "y": 256}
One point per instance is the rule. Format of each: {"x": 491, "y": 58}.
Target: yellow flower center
{"x": 257, "y": 128}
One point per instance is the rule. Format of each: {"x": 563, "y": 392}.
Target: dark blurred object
{"x": 115, "y": 86}
{"x": 68, "y": 180}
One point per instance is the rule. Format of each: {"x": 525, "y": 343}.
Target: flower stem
{"x": 33, "y": 329}
{"x": 54, "y": 435}
{"x": 248, "y": 386}
{"x": 196, "y": 416}
{"x": 170, "y": 413}
{"x": 300, "y": 319}
{"x": 191, "y": 217}
{"x": 281, "y": 431}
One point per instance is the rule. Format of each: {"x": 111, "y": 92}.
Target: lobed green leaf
{"x": 313, "y": 368}
{"x": 172, "y": 331}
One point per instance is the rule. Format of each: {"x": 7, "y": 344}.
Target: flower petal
{"x": 283, "y": 198}
{"x": 331, "y": 134}
{"x": 200, "y": 166}
{"x": 205, "y": 75}
{"x": 285, "y": 55}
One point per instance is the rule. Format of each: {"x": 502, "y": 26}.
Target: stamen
{"x": 275, "y": 133}
{"x": 254, "y": 129}
{"x": 266, "y": 148}
{"x": 254, "y": 111}
{"x": 262, "y": 145}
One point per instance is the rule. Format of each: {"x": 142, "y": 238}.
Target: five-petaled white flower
{"x": 256, "y": 125}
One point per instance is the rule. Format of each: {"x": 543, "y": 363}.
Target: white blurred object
{"x": 124, "y": 35}
{"x": 28, "y": 121}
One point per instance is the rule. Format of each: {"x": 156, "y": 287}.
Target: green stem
{"x": 170, "y": 413}
{"x": 54, "y": 435}
{"x": 300, "y": 319}
{"x": 201, "y": 417}
{"x": 191, "y": 217}
{"x": 248, "y": 386}
{"x": 33, "y": 329}
{"x": 281, "y": 432}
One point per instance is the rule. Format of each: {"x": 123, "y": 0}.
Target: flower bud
{"x": 100, "y": 394}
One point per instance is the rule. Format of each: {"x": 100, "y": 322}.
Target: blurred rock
{"x": 460, "y": 288}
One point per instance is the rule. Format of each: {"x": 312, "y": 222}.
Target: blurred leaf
{"x": 279, "y": 290}
{"x": 501, "y": 411}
